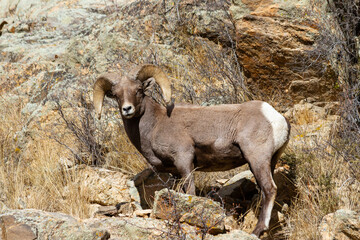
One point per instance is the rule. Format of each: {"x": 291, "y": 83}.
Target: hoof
{"x": 258, "y": 231}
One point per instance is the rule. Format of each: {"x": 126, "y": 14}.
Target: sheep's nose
{"x": 127, "y": 109}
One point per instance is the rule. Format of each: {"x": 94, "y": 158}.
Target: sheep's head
{"x": 130, "y": 91}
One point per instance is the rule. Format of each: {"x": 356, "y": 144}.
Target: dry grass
{"x": 39, "y": 182}
{"x": 11, "y": 122}
{"x": 325, "y": 184}
{"x": 43, "y": 183}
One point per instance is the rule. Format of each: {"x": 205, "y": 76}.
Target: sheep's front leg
{"x": 185, "y": 165}
{"x": 189, "y": 185}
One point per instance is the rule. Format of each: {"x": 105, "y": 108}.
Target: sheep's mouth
{"x": 128, "y": 115}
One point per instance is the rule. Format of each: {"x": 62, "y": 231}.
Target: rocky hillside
{"x": 218, "y": 52}
{"x": 296, "y": 55}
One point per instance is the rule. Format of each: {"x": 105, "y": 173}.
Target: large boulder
{"x": 199, "y": 211}
{"x": 108, "y": 192}
{"x": 29, "y": 224}
{"x": 104, "y": 187}
{"x": 274, "y": 43}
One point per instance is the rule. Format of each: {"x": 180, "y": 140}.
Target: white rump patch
{"x": 278, "y": 123}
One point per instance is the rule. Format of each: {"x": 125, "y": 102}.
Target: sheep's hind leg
{"x": 261, "y": 168}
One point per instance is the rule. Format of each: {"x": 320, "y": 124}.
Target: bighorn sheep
{"x": 181, "y": 138}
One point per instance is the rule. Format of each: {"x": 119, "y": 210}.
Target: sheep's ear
{"x": 148, "y": 84}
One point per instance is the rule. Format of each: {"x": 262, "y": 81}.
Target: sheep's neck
{"x": 139, "y": 128}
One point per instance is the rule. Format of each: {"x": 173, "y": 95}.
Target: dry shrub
{"x": 325, "y": 184}
{"x": 347, "y": 144}
{"x": 97, "y": 142}
{"x": 211, "y": 75}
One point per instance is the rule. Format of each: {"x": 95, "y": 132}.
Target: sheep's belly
{"x": 211, "y": 159}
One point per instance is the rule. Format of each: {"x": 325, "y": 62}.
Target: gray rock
{"x": 236, "y": 234}
{"x": 30, "y": 108}
{"x": 129, "y": 228}
{"x": 143, "y": 213}
{"x": 344, "y": 224}
{"x": 240, "y": 177}
{"x": 47, "y": 226}
{"x": 107, "y": 210}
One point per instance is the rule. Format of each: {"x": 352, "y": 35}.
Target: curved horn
{"x": 103, "y": 84}
{"x": 148, "y": 71}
